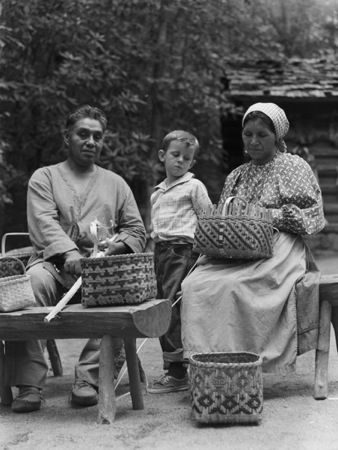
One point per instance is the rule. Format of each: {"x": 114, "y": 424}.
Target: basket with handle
{"x": 226, "y": 387}
{"x": 118, "y": 279}
{"x": 237, "y": 229}
{"x": 22, "y": 253}
{"x": 15, "y": 287}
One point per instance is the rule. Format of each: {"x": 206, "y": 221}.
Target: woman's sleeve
{"x": 229, "y": 185}
{"x": 302, "y": 206}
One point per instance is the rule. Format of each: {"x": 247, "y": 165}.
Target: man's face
{"x": 85, "y": 141}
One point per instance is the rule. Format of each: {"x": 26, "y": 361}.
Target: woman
{"x": 267, "y": 306}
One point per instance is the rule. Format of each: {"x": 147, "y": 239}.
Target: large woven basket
{"x": 226, "y": 387}
{"x": 15, "y": 287}
{"x": 118, "y": 279}
{"x": 237, "y": 230}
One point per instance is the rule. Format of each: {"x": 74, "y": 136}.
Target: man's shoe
{"x": 167, "y": 383}
{"x": 84, "y": 393}
{"x": 27, "y": 400}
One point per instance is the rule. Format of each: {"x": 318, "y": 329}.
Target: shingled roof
{"x": 294, "y": 78}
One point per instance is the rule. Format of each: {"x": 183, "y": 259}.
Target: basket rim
{"x": 120, "y": 256}
{"x": 257, "y": 362}
{"x": 243, "y": 218}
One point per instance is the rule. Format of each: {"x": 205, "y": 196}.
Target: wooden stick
{"x": 72, "y": 291}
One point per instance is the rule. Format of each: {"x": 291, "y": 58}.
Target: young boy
{"x": 176, "y": 204}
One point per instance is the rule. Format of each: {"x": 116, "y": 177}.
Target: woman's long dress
{"x": 267, "y": 306}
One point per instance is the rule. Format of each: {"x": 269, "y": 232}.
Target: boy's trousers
{"x": 172, "y": 264}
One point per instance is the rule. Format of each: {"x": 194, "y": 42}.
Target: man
{"x": 62, "y": 201}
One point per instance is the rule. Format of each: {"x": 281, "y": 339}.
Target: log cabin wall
{"x": 308, "y": 92}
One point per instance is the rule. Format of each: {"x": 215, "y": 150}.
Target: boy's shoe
{"x": 167, "y": 383}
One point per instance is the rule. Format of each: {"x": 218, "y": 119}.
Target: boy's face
{"x": 178, "y": 159}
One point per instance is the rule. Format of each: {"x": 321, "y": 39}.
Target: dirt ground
{"x": 292, "y": 419}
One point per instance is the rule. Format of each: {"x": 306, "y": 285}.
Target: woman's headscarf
{"x": 279, "y": 120}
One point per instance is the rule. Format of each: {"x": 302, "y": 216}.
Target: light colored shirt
{"x": 59, "y": 219}
{"x": 176, "y": 207}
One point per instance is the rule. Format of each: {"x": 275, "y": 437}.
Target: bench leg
{"x": 107, "y": 400}
{"x": 5, "y": 391}
{"x": 134, "y": 373}
{"x": 322, "y": 352}
{"x": 54, "y": 358}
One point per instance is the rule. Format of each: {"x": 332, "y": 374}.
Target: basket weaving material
{"x": 235, "y": 231}
{"x": 118, "y": 279}
{"x": 15, "y": 287}
{"x": 23, "y": 254}
{"x": 226, "y": 387}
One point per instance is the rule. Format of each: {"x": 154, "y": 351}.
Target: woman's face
{"x": 259, "y": 141}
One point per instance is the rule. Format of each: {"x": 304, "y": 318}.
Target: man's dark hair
{"x": 86, "y": 111}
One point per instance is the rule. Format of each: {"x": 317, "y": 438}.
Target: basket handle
{"x": 4, "y": 238}
{"x": 228, "y": 201}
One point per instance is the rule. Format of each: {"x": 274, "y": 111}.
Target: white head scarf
{"x": 279, "y": 120}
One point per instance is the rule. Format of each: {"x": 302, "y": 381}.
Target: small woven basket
{"x": 118, "y": 279}
{"x": 15, "y": 287}
{"x": 235, "y": 231}
{"x": 226, "y": 387}
{"x": 23, "y": 254}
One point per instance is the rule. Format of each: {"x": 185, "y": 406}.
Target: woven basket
{"x": 235, "y": 231}
{"x": 226, "y": 387}
{"x": 23, "y": 254}
{"x": 118, "y": 279}
{"x": 15, "y": 287}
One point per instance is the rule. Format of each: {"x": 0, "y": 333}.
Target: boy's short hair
{"x": 183, "y": 136}
{"x": 85, "y": 111}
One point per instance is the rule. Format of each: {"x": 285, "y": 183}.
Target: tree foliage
{"x": 151, "y": 65}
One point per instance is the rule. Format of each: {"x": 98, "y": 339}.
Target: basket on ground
{"x": 15, "y": 287}
{"x": 237, "y": 229}
{"x": 226, "y": 387}
{"x": 118, "y": 279}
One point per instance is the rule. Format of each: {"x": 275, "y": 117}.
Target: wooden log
{"x": 134, "y": 373}
{"x": 322, "y": 353}
{"x": 107, "y": 399}
{"x": 149, "y": 319}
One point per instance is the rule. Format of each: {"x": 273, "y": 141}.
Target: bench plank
{"x": 149, "y": 319}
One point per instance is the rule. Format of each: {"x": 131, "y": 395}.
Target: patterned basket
{"x": 15, "y": 287}
{"x": 226, "y": 387}
{"x": 235, "y": 231}
{"x": 118, "y": 280}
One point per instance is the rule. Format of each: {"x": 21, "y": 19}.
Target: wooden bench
{"x": 328, "y": 293}
{"x": 149, "y": 319}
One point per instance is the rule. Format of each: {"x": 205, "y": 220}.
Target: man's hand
{"x": 72, "y": 262}
{"x": 114, "y": 248}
